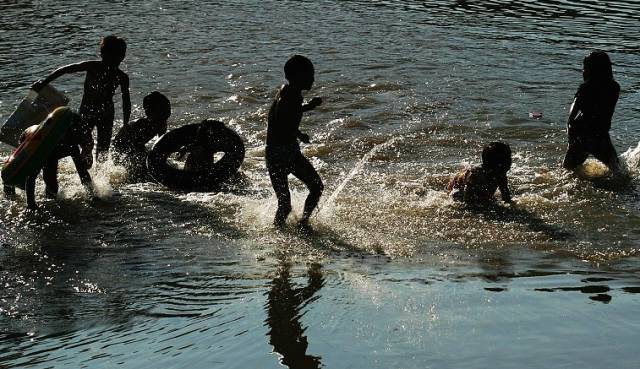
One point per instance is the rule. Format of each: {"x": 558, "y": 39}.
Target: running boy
{"x": 282, "y": 150}
{"x": 96, "y": 109}
{"x": 590, "y": 115}
{"x": 479, "y": 184}
{"x": 67, "y": 146}
{"x": 130, "y": 142}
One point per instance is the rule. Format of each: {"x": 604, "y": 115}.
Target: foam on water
{"x": 631, "y": 158}
{"x": 398, "y": 214}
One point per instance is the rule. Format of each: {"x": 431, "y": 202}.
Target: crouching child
{"x": 479, "y": 184}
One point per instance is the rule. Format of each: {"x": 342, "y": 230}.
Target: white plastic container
{"x": 32, "y": 110}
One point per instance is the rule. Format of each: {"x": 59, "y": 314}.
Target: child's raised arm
{"x": 71, "y": 68}
{"x": 315, "y": 102}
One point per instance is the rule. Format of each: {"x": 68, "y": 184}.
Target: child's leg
{"x": 30, "y": 189}
{"x": 105, "y": 130}
{"x": 50, "y": 177}
{"x": 9, "y": 192}
{"x": 308, "y": 175}
{"x": 606, "y": 153}
{"x": 575, "y": 155}
{"x": 81, "y": 168}
{"x": 87, "y": 122}
{"x": 280, "y": 185}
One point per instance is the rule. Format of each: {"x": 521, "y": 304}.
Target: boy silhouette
{"x": 102, "y": 79}
{"x": 282, "y": 149}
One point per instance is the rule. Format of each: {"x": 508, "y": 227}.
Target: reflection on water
{"x": 596, "y": 292}
{"x": 284, "y": 305}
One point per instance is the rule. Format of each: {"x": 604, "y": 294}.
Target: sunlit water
{"x": 395, "y": 275}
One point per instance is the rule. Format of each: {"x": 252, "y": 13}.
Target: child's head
{"x": 208, "y": 130}
{"x": 496, "y": 156}
{"x": 112, "y": 50}
{"x": 597, "y": 65}
{"x": 298, "y": 70}
{"x": 156, "y": 106}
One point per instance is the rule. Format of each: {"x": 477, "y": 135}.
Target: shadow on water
{"x": 499, "y": 271}
{"x": 596, "y": 292}
{"x": 284, "y": 302}
{"x": 325, "y": 240}
{"x": 603, "y": 180}
{"x": 517, "y": 214}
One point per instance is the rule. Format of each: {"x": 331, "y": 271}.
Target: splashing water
{"x": 357, "y": 168}
{"x": 631, "y": 158}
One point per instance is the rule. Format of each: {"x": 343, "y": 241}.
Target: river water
{"x": 394, "y": 275}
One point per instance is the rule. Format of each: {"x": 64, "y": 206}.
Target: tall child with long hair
{"x": 590, "y": 115}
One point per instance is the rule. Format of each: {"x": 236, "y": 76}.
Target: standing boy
{"x": 283, "y": 151}
{"x": 96, "y": 109}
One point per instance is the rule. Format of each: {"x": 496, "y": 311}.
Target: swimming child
{"x": 590, "y": 115}
{"x": 282, "y": 149}
{"x": 69, "y": 145}
{"x": 203, "y": 169}
{"x": 479, "y": 184}
{"x": 130, "y": 142}
{"x": 96, "y": 109}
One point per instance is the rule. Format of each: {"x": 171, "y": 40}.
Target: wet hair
{"x": 113, "y": 48}
{"x": 207, "y": 129}
{"x": 599, "y": 65}
{"x": 154, "y": 101}
{"x": 496, "y": 156}
{"x": 297, "y": 65}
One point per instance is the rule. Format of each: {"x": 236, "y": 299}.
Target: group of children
{"x": 103, "y": 78}
{"x": 588, "y": 131}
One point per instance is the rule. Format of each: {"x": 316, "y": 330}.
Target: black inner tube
{"x": 225, "y": 140}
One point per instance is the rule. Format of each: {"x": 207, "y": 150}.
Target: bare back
{"x": 100, "y": 85}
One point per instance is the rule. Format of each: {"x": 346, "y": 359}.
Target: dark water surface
{"x": 395, "y": 275}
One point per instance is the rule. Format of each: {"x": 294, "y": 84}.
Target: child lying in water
{"x": 479, "y": 184}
